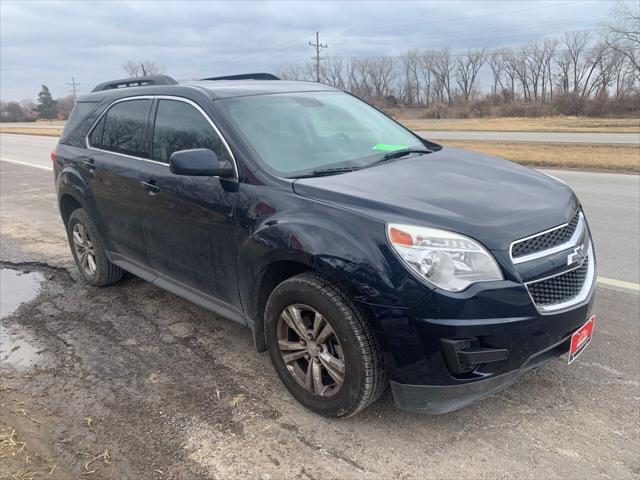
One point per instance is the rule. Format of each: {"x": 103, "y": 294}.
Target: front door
{"x": 188, "y": 222}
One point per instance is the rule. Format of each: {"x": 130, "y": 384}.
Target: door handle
{"x": 90, "y": 164}
{"x": 151, "y": 185}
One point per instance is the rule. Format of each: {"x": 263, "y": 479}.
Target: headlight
{"x": 447, "y": 260}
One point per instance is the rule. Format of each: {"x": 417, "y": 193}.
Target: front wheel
{"x": 322, "y": 347}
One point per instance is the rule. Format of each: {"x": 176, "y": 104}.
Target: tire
{"x": 351, "y": 344}
{"x": 85, "y": 244}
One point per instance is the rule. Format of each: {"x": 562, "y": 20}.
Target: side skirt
{"x": 177, "y": 288}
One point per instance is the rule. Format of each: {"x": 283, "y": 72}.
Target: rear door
{"x": 188, "y": 222}
{"x": 116, "y": 146}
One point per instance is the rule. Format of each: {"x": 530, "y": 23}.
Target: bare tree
{"x": 563, "y": 72}
{"x": 411, "y": 68}
{"x": 625, "y": 33}
{"x": 576, "y": 44}
{"x": 467, "y": 68}
{"x": 509, "y": 68}
{"x": 427, "y": 62}
{"x": 550, "y": 47}
{"x": 443, "y": 70}
{"x": 496, "y": 61}
{"x": 65, "y": 105}
{"x": 142, "y": 68}
{"x": 332, "y": 72}
{"x": 380, "y": 73}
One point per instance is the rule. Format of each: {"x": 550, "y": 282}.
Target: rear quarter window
{"x": 80, "y": 113}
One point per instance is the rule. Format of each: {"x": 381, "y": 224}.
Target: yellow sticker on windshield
{"x": 385, "y": 147}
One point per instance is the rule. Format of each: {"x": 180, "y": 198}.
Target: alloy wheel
{"x": 85, "y": 248}
{"x": 311, "y": 350}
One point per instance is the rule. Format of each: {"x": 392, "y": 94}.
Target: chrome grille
{"x": 545, "y": 241}
{"x": 561, "y": 288}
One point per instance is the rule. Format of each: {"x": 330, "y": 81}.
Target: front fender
{"x": 349, "y": 249}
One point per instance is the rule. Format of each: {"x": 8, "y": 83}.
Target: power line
{"x": 73, "y": 86}
{"x": 318, "y": 46}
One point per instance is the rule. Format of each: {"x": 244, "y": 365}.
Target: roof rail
{"x": 135, "y": 82}
{"x": 246, "y": 76}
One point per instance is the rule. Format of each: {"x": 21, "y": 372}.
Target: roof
{"x": 214, "y": 88}
{"x": 242, "y": 88}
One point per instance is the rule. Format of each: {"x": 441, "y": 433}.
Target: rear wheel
{"x": 322, "y": 347}
{"x": 88, "y": 252}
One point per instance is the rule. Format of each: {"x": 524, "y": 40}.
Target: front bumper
{"x": 437, "y": 399}
{"x": 498, "y": 316}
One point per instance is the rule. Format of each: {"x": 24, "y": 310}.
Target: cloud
{"x": 49, "y": 42}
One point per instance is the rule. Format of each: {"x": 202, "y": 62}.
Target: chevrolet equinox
{"x": 359, "y": 254}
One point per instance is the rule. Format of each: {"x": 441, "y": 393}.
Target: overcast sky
{"x": 49, "y": 42}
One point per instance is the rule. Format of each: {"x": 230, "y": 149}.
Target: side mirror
{"x": 199, "y": 162}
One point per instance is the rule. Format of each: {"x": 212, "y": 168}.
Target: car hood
{"x": 492, "y": 200}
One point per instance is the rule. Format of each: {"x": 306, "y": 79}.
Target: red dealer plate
{"x": 581, "y": 338}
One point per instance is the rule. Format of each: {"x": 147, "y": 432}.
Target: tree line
{"x": 567, "y": 71}
{"x": 48, "y": 108}
{"x": 45, "y": 107}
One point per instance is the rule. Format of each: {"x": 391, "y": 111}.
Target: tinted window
{"x": 78, "y": 113}
{"x": 95, "y": 138}
{"x": 179, "y": 126}
{"x": 122, "y": 129}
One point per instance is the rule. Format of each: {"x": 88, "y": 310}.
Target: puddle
{"x": 16, "y": 288}
{"x": 17, "y": 351}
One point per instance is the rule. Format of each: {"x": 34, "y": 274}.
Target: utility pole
{"x": 318, "y": 46}
{"x": 73, "y": 86}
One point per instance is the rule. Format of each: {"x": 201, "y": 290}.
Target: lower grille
{"x": 561, "y": 288}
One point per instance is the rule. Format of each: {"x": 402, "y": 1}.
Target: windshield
{"x": 297, "y": 134}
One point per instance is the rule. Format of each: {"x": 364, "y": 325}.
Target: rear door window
{"x": 122, "y": 129}
{"x": 180, "y": 126}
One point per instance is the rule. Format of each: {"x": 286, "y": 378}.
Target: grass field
{"x": 516, "y": 124}
{"x": 625, "y": 158}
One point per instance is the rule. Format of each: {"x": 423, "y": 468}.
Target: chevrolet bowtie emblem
{"x": 577, "y": 255}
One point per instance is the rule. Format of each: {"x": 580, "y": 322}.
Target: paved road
{"x": 612, "y": 203}
{"x": 547, "y": 137}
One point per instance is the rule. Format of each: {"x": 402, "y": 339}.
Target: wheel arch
{"x": 276, "y": 272}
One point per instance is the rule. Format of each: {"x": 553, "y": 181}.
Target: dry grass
{"x": 624, "y": 158}
{"x": 543, "y": 124}
{"x": 46, "y": 132}
{"x": 14, "y": 456}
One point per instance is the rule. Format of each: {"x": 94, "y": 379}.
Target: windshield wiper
{"x": 334, "y": 170}
{"x": 404, "y": 152}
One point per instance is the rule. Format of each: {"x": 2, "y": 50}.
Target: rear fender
{"x": 71, "y": 182}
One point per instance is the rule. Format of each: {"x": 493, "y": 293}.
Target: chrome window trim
{"x": 160, "y": 97}
{"x": 582, "y": 296}
{"x": 577, "y": 234}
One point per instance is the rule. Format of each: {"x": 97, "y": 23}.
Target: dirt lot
{"x": 130, "y": 382}
{"x": 622, "y": 158}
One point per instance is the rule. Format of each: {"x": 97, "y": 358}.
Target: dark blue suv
{"x": 359, "y": 254}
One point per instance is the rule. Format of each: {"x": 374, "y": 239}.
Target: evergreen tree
{"x": 47, "y": 106}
